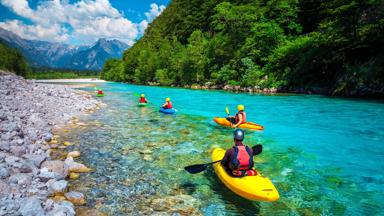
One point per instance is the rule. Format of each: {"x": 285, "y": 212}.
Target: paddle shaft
{"x": 214, "y": 162}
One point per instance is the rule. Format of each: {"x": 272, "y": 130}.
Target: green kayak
{"x": 142, "y": 104}
{"x": 99, "y": 95}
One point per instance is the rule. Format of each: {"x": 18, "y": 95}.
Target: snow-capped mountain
{"x": 60, "y": 55}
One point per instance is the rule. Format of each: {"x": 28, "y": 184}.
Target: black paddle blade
{"x": 193, "y": 169}
{"x": 257, "y": 149}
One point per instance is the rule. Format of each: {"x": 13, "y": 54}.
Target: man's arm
{"x": 238, "y": 123}
{"x": 226, "y": 157}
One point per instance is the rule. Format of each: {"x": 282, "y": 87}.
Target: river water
{"x": 324, "y": 155}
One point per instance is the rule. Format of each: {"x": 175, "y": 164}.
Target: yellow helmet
{"x": 168, "y": 99}
{"x": 142, "y": 95}
{"x": 240, "y": 107}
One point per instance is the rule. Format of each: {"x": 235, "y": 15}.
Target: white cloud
{"x": 36, "y": 32}
{"x": 154, "y": 12}
{"x": 84, "y": 21}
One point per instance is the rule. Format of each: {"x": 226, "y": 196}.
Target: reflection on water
{"x": 138, "y": 154}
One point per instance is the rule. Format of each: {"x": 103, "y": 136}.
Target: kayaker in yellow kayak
{"x": 143, "y": 99}
{"x": 239, "y": 118}
{"x": 238, "y": 160}
{"x": 167, "y": 104}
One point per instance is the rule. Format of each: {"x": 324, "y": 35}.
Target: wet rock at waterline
{"x": 76, "y": 198}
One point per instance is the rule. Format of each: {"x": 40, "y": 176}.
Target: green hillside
{"x": 12, "y": 60}
{"x": 331, "y": 46}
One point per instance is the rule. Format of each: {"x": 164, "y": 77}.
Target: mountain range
{"x": 60, "y": 55}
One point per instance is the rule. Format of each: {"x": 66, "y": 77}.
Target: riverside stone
{"x": 75, "y": 197}
{"x": 20, "y": 179}
{"x": 62, "y": 208}
{"x": 56, "y": 166}
{"x": 4, "y": 189}
{"x": 37, "y": 159}
{"x": 45, "y": 175}
{"x": 57, "y": 187}
{"x": 75, "y": 167}
{"x": 26, "y": 121}
{"x": 4, "y": 172}
{"x": 31, "y": 206}
{"x": 73, "y": 154}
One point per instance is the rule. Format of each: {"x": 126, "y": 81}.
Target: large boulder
{"x": 46, "y": 175}
{"x": 62, "y": 208}
{"x": 56, "y": 166}
{"x": 31, "y": 206}
{"x": 37, "y": 159}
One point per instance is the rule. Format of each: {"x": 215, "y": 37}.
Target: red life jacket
{"x": 244, "y": 119}
{"x": 242, "y": 159}
{"x": 99, "y": 92}
{"x": 169, "y": 105}
{"x": 143, "y": 100}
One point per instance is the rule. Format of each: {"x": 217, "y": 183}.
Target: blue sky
{"x": 79, "y": 21}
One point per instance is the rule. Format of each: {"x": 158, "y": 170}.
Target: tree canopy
{"x": 332, "y": 45}
{"x": 12, "y": 60}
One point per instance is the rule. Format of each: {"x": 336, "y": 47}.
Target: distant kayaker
{"x": 239, "y": 118}
{"x": 238, "y": 160}
{"x": 99, "y": 92}
{"x": 143, "y": 99}
{"x": 167, "y": 104}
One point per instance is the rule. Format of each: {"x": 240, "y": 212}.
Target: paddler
{"x": 99, "y": 91}
{"x": 238, "y": 160}
{"x": 239, "y": 118}
{"x": 143, "y": 99}
{"x": 167, "y": 104}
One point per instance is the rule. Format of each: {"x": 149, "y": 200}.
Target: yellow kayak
{"x": 247, "y": 125}
{"x": 250, "y": 187}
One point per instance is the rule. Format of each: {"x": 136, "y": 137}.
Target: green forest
{"x": 57, "y": 73}
{"x": 325, "y": 46}
{"x": 12, "y": 60}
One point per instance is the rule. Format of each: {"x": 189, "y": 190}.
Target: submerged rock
{"x": 82, "y": 211}
{"x": 74, "y": 175}
{"x": 76, "y": 198}
{"x": 181, "y": 204}
{"x": 66, "y": 143}
{"x": 75, "y": 167}
{"x": 73, "y": 154}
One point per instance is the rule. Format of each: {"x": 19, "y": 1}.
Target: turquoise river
{"x": 324, "y": 155}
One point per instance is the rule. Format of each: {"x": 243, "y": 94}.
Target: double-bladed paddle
{"x": 227, "y": 110}
{"x": 193, "y": 169}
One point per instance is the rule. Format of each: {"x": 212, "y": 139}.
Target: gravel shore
{"x": 29, "y": 178}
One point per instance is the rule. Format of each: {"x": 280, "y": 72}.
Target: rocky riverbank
{"x": 31, "y": 182}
